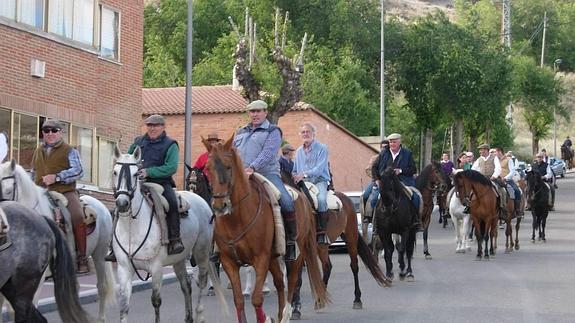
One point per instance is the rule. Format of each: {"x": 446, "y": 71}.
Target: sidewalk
{"x": 88, "y": 292}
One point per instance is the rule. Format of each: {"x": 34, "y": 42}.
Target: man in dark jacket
{"x": 160, "y": 157}
{"x": 401, "y": 159}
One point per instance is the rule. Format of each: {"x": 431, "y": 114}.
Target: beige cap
{"x": 469, "y": 154}
{"x": 286, "y": 148}
{"x": 483, "y": 146}
{"x": 155, "y": 119}
{"x": 257, "y": 105}
{"x": 394, "y": 136}
{"x": 52, "y": 123}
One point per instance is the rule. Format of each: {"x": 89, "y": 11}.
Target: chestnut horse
{"x": 431, "y": 180}
{"x": 477, "y": 191}
{"x": 244, "y": 232}
{"x": 342, "y": 223}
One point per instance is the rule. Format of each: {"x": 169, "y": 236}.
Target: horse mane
{"x": 474, "y": 176}
{"x": 236, "y": 160}
{"x": 27, "y": 184}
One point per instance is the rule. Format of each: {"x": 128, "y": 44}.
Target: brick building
{"x": 221, "y": 109}
{"x": 76, "y": 60}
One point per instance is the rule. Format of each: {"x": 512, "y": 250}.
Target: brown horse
{"x": 567, "y": 156}
{"x": 244, "y": 232}
{"x": 431, "y": 180}
{"x": 478, "y": 192}
{"x": 342, "y": 223}
{"x": 512, "y": 213}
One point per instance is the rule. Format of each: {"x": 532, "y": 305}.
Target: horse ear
{"x": 188, "y": 166}
{"x": 228, "y": 144}
{"x": 137, "y": 153}
{"x": 206, "y": 144}
{"x": 117, "y": 152}
{"x": 12, "y": 164}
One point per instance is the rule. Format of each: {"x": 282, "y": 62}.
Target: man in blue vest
{"x": 401, "y": 159}
{"x": 258, "y": 143}
{"x": 160, "y": 157}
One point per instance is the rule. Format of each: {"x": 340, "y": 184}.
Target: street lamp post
{"x": 556, "y": 63}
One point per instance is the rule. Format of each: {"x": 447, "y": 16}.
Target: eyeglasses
{"x": 256, "y": 110}
{"x": 48, "y": 130}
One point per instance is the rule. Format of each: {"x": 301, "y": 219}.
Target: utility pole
{"x": 543, "y": 41}
{"x": 188, "y": 104}
{"x": 382, "y": 77}
{"x": 506, "y": 41}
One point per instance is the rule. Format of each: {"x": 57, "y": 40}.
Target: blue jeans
{"x": 286, "y": 202}
{"x": 372, "y": 190}
{"x": 322, "y": 196}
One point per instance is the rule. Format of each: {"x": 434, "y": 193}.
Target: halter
{"x": 126, "y": 175}
{"x": 231, "y": 183}
{"x": 14, "y": 189}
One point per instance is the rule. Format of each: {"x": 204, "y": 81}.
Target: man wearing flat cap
{"x": 371, "y": 190}
{"x": 286, "y": 159}
{"x": 258, "y": 143}
{"x": 57, "y": 167}
{"x": 159, "y": 158}
{"x": 401, "y": 160}
{"x": 487, "y": 164}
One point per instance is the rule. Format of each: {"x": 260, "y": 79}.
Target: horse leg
{"x": 21, "y": 299}
{"x": 425, "y": 246}
{"x": 508, "y": 236}
{"x": 479, "y": 238}
{"x": 261, "y": 267}
{"x": 543, "y": 225}
{"x": 533, "y": 226}
{"x": 186, "y": 286}
{"x": 326, "y": 265}
{"x": 401, "y": 246}
{"x": 466, "y": 228}
{"x": 232, "y": 270}
{"x": 125, "y": 290}
{"x": 157, "y": 277}
{"x": 296, "y": 300}
{"x": 105, "y": 281}
{"x": 409, "y": 248}
{"x": 352, "y": 250}
{"x": 278, "y": 278}
{"x": 517, "y": 225}
{"x": 249, "y": 274}
{"x": 387, "y": 254}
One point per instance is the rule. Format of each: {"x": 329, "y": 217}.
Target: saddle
{"x": 59, "y": 205}
{"x": 333, "y": 202}
{"x": 414, "y": 195}
{"x": 274, "y": 195}
{"x": 153, "y": 194}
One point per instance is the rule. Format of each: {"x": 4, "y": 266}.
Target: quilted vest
{"x": 504, "y": 166}
{"x": 250, "y": 143}
{"x": 54, "y": 163}
{"x": 487, "y": 167}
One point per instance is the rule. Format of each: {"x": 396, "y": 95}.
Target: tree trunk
{"x": 473, "y": 144}
{"x": 534, "y": 144}
{"x": 428, "y": 145}
{"x": 457, "y": 138}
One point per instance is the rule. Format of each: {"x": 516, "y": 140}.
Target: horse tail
{"x": 109, "y": 284}
{"x": 318, "y": 288}
{"x": 369, "y": 260}
{"x": 65, "y": 287}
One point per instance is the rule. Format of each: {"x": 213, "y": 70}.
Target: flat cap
{"x": 469, "y": 154}
{"x": 483, "y": 146}
{"x": 155, "y": 119}
{"x": 257, "y": 105}
{"x": 394, "y": 136}
{"x": 287, "y": 148}
{"x": 52, "y": 123}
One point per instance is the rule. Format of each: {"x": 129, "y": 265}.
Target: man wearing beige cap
{"x": 57, "y": 167}
{"x": 258, "y": 143}
{"x": 160, "y": 158}
{"x": 286, "y": 159}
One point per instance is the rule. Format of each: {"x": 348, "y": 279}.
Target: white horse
{"x": 17, "y": 185}
{"x": 461, "y": 221}
{"x": 137, "y": 240}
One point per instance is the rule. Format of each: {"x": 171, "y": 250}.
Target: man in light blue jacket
{"x": 311, "y": 165}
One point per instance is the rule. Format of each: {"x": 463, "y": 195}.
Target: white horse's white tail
{"x": 224, "y": 309}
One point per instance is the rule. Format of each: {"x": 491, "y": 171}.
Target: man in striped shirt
{"x": 57, "y": 167}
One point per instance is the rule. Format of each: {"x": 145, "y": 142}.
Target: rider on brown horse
{"x": 258, "y": 143}
{"x": 489, "y": 166}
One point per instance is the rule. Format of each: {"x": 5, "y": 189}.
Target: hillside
{"x": 407, "y": 9}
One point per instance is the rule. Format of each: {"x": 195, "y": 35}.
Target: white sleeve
{"x": 511, "y": 166}
{"x": 497, "y": 170}
{"x": 475, "y": 165}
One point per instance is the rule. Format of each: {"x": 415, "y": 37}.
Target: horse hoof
{"x": 266, "y": 292}
{"x": 532, "y": 240}
{"x": 544, "y": 240}
{"x": 390, "y": 276}
{"x": 246, "y": 295}
{"x": 357, "y": 305}
{"x": 401, "y": 277}
{"x": 211, "y": 292}
{"x": 478, "y": 258}
{"x": 296, "y": 315}
{"x": 508, "y": 250}
{"x": 517, "y": 246}
{"x": 410, "y": 278}
{"x": 428, "y": 256}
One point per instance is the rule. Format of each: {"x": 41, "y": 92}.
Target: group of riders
{"x": 57, "y": 167}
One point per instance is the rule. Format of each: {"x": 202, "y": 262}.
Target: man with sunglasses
{"x": 57, "y": 167}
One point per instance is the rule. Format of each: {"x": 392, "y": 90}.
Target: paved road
{"x": 534, "y": 284}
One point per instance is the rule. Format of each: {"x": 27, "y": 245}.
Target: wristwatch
{"x": 58, "y": 179}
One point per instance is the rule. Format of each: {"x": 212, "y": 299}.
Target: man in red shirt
{"x": 203, "y": 158}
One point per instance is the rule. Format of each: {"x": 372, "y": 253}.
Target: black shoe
{"x": 215, "y": 256}
{"x": 322, "y": 239}
{"x": 175, "y": 247}
{"x": 110, "y": 257}
{"x": 466, "y": 210}
{"x": 290, "y": 251}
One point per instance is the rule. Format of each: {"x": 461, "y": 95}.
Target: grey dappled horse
{"x": 35, "y": 242}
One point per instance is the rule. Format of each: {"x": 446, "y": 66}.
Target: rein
{"x": 231, "y": 243}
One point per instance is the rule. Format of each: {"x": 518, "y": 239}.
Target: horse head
{"x": 390, "y": 186}
{"x": 126, "y": 180}
{"x": 228, "y": 178}
{"x": 15, "y": 183}
{"x": 438, "y": 180}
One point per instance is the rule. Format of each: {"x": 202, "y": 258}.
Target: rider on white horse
{"x": 160, "y": 155}
{"x": 57, "y": 167}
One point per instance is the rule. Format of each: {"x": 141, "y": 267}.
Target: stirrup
{"x": 175, "y": 247}
{"x": 322, "y": 239}
{"x": 111, "y": 257}
{"x": 290, "y": 252}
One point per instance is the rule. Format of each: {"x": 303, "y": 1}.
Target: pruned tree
{"x": 290, "y": 70}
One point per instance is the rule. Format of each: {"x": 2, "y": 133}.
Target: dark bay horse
{"x": 432, "y": 180}
{"x": 198, "y": 183}
{"x": 516, "y": 214}
{"x": 478, "y": 192}
{"x": 538, "y": 192}
{"x": 36, "y": 243}
{"x": 244, "y": 232}
{"x": 567, "y": 156}
{"x": 396, "y": 213}
{"x": 342, "y": 223}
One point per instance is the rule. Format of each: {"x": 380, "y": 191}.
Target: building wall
{"x": 348, "y": 155}
{"x": 78, "y": 86}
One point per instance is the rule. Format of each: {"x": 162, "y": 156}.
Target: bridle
{"x": 126, "y": 175}
{"x": 223, "y": 176}
{"x": 14, "y": 188}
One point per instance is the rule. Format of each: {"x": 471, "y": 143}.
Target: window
{"x": 60, "y": 14}
{"x": 8, "y": 9}
{"x": 31, "y": 12}
{"x": 25, "y": 139}
{"x": 84, "y": 21}
{"x": 5, "y": 127}
{"x": 82, "y": 139}
{"x": 105, "y": 163}
{"x": 109, "y": 35}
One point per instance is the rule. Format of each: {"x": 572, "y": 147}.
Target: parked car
{"x": 557, "y": 166}
{"x": 356, "y": 199}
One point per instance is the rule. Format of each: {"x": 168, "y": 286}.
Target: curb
{"x": 48, "y": 304}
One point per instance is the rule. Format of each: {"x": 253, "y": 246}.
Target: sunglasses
{"x": 52, "y": 130}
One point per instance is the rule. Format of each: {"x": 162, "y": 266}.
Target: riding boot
{"x": 175, "y": 245}
{"x": 80, "y": 237}
{"x": 111, "y": 256}
{"x": 290, "y": 225}
{"x": 321, "y": 234}
{"x": 215, "y": 255}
